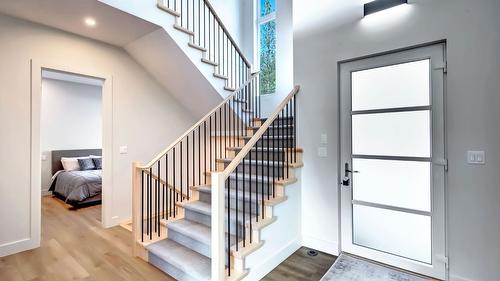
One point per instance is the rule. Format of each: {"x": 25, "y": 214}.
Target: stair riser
{"x": 277, "y": 131}
{"x": 206, "y": 197}
{"x": 259, "y": 170}
{"x": 170, "y": 269}
{"x": 197, "y": 246}
{"x": 275, "y": 143}
{"x": 206, "y": 220}
{"x": 283, "y": 121}
{"x": 251, "y": 186}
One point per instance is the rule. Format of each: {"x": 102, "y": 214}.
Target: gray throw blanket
{"x": 77, "y": 186}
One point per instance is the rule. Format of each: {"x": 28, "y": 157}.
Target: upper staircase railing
{"x": 199, "y": 19}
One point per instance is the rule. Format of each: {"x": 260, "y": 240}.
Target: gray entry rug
{"x": 349, "y": 268}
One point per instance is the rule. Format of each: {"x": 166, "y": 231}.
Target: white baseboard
{"x": 258, "y": 272}
{"x": 46, "y": 192}
{"x": 329, "y": 247}
{"x": 18, "y": 246}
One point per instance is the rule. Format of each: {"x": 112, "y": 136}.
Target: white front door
{"x": 393, "y": 159}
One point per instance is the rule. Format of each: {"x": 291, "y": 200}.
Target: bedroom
{"x": 71, "y": 139}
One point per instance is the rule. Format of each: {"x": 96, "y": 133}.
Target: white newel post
{"x": 136, "y": 204}
{"x": 218, "y": 207}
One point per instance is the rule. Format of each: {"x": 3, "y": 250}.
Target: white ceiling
{"x": 113, "y": 26}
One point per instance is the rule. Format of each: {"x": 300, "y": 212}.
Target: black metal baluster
{"x": 204, "y": 150}
{"x": 194, "y": 165}
{"x": 176, "y": 195}
{"x": 287, "y": 129}
{"x": 220, "y": 134}
{"x": 228, "y": 228}
{"x": 295, "y": 129}
{"x": 199, "y": 155}
{"x": 262, "y": 179}
{"x": 142, "y": 205}
{"x": 244, "y": 202}
{"x": 236, "y": 205}
{"x": 182, "y": 175}
{"x": 168, "y": 187}
{"x": 158, "y": 197}
{"x": 150, "y": 204}
{"x": 250, "y": 196}
{"x": 210, "y": 141}
{"x": 268, "y": 165}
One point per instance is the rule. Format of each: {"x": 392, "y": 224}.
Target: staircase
{"x": 200, "y": 206}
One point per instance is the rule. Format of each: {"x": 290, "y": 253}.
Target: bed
{"x": 77, "y": 188}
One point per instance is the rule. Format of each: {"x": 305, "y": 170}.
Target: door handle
{"x": 346, "y": 181}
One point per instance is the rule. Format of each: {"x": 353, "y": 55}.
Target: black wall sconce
{"x": 380, "y": 5}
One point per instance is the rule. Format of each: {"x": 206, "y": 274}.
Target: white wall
{"x": 472, "y": 30}
{"x": 71, "y": 118}
{"x": 144, "y": 115}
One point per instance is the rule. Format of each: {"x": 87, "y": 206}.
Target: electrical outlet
{"x": 476, "y": 157}
{"x": 123, "y": 149}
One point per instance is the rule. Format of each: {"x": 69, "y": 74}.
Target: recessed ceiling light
{"x": 90, "y": 22}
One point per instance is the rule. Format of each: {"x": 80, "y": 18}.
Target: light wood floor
{"x": 74, "y": 246}
{"x": 301, "y": 267}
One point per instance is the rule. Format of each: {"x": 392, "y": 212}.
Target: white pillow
{"x": 70, "y": 163}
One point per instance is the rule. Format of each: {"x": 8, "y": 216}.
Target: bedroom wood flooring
{"x": 74, "y": 246}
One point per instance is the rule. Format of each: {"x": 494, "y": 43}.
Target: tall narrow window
{"x": 266, "y": 20}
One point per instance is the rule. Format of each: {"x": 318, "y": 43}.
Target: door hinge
{"x": 442, "y": 162}
{"x": 443, "y": 66}
{"x": 443, "y": 259}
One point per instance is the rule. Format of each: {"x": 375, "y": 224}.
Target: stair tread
{"x": 271, "y": 137}
{"x": 256, "y": 162}
{"x": 232, "y": 193}
{"x": 262, "y": 148}
{"x": 194, "y": 230}
{"x": 183, "y": 258}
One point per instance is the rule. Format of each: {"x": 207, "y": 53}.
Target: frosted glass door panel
{"x": 405, "y": 184}
{"x": 392, "y": 134}
{"x": 403, "y": 234}
{"x": 400, "y": 85}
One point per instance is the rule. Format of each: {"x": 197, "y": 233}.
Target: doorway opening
{"x": 393, "y": 159}
{"x": 71, "y": 133}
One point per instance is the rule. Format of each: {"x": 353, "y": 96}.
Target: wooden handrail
{"x": 204, "y": 118}
{"x": 207, "y": 3}
{"x": 256, "y": 137}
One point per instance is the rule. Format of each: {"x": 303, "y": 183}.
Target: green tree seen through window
{"x": 268, "y": 52}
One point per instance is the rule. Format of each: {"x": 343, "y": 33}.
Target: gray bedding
{"x": 77, "y": 186}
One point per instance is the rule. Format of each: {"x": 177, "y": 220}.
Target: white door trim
{"x": 36, "y": 67}
{"x": 436, "y": 52}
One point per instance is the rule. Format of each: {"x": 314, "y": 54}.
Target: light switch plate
{"x": 322, "y": 152}
{"x": 44, "y": 157}
{"x": 123, "y": 149}
{"x": 324, "y": 139}
{"x": 476, "y": 157}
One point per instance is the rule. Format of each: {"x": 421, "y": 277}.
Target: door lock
{"x": 346, "y": 181}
